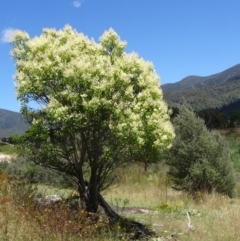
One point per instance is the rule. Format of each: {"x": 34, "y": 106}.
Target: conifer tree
{"x": 199, "y": 159}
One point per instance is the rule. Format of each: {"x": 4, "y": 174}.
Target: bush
{"x": 199, "y": 159}
{"x": 22, "y": 169}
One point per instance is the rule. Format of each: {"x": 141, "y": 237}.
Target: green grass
{"x": 8, "y": 150}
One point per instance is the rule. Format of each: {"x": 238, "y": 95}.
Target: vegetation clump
{"x": 199, "y": 159}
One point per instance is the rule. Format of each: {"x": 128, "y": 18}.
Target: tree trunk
{"x": 82, "y": 196}
{"x": 92, "y": 202}
{"x": 145, "y": 166}
{"x": 134, "y": 229}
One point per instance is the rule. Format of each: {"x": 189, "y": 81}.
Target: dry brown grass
{"x": 21, "y": 219}
{"x": 214, "y": 217}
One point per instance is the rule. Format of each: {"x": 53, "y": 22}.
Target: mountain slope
{"x": 220, "y": 90}
{"x": 196, "y": 82}
{"x": 11, "y": 123}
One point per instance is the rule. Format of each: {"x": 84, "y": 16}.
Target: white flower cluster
{"x": 82, "y": 79}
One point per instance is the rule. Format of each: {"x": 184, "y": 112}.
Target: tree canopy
{"x": 98, "y": 106}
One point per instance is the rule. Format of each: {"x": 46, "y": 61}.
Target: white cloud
{"x": 7, "y": 34}
{"x": 76, "y": 4}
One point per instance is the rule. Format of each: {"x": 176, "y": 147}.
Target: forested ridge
{"x": 197, "y": 82}
{"x": 11, "y": 123}
{"x": 216, "y": 98}
{"x": 222, "y": 95}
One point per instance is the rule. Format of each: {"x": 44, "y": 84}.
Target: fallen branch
{"x": 189, "y": 224}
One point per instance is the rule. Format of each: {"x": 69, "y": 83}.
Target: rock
{"x": 47, "y": 200}
{"x": 6, "y": 158}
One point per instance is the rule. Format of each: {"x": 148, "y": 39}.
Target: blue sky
{"x": 180, "y": 37}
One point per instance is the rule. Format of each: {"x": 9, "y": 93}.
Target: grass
{"x": 231, "y": 133}
{"x": 20, "y": 220}
{"x": 8, "y": 150}
{"x": 214, "y": 217}
{"x": 146, "y": 187}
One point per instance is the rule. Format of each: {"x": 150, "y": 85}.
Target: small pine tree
{"x": 199, "y": 160}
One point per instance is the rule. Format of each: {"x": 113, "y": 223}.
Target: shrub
{"x": 199, "y": 159}
{"x": 20, "y": 168}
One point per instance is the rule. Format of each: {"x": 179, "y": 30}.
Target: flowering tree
{"x": 98, "y": 107}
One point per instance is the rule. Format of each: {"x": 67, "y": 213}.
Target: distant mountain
{"x": 11, "y": 123}
{"x": 221, "y": 90}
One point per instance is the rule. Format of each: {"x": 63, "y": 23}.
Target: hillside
{"x": 220, "y": 90}
{"x": 11, "y": 123}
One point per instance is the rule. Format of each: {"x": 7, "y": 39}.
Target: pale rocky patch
{"x": 6, "y": 158}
